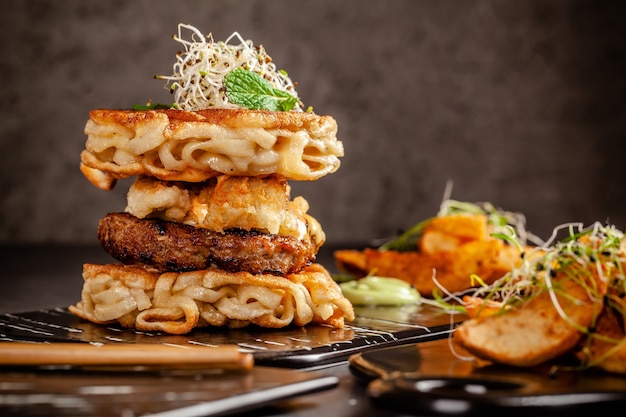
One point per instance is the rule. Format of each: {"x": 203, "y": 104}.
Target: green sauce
{"x": 372, "y": 290}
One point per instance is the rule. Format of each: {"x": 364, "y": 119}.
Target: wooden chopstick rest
{"x": 79, "y": 354}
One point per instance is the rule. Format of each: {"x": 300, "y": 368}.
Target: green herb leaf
{"x": 151, "y": 106}
{"x": 407, "y": 241}
{"x": 248, "y": 89}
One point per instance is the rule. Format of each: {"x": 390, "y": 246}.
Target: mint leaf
{"x": 248, "y": 89}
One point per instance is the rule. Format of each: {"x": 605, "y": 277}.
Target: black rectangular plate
{"x": 434, "y": 379}
{"x": 291, "y": 347}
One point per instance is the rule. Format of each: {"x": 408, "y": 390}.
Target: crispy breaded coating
{"x": 224, "y": 203}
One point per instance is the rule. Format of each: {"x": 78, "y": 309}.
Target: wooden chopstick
{"x": 79, "y": 354}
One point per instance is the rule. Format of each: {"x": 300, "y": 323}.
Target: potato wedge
{"x": 534, "y": 332}
{"x": 447, "y": 251}
{"x": 463, "y": 226}
{"x": 606, "y": 347}
{"x": 451, "y": 270}
{"x": 351, "y": 261}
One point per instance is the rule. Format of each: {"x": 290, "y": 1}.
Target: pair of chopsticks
{"x": 79, "y": 354}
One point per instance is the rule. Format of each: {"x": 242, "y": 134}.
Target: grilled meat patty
{"x": 170, "y": 246}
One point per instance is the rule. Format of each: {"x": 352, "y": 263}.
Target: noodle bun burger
{"x": 210, "y": 235}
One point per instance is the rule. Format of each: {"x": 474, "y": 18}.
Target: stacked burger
{"x": 210, "y": 235}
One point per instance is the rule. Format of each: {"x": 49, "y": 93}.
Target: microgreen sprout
{"x": 197, "y": 81}
{"x": 591, "y": 256}
{"x": 508, "y": 226}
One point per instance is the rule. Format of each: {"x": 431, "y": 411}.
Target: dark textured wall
{"x": 520, "y": 103}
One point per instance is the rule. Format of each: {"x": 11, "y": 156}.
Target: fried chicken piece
{"x": 224, "y": 202}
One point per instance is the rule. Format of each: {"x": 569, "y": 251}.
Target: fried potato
{"x": 445, "y": 234}
{"x": 536, "y": 331}
{"x": 606, "y": 347}
{"x": 351, "y": 261}
{"x": 479, "y": 257}
{"x": 412, "y": 267}
{"x": 462, "y": 226}
{"x": 476, "y": 307}
{"x": 435, "y": 241}
{"x": 451, "y": 249}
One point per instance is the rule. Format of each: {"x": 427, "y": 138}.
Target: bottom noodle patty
{"x": 170, "y": 246}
